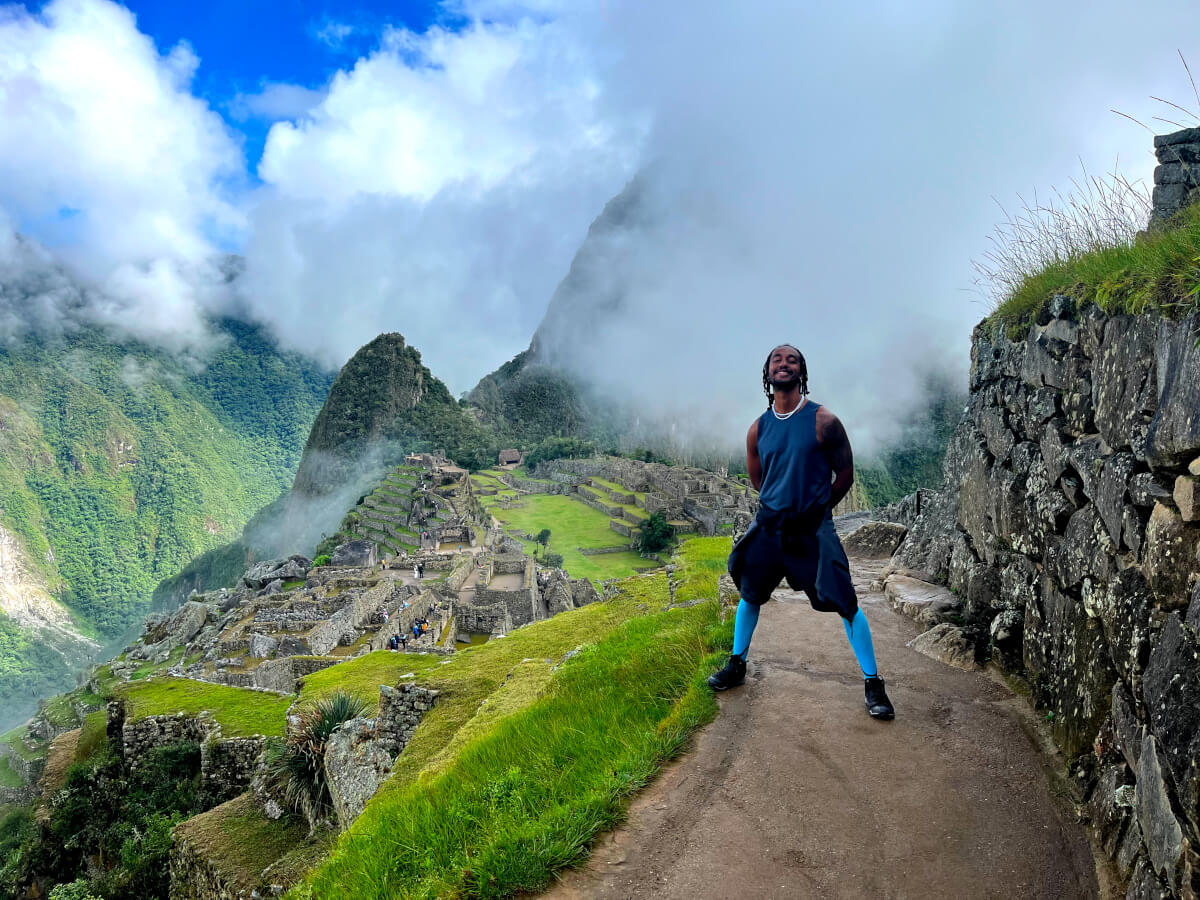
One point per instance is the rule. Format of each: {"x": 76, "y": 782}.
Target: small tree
{"x": 655, "y": 534}
{"x": 553, "y": 560}
{"x": 543, "y": 538}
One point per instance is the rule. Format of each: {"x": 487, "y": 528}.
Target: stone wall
{"x": 1070, "y": 526}
{"x": 226, "y": 767}
{"x": 139, "y": 737}
{"x": 1177, "y": 176}
{"x": 401, "y": 709}
{"x": 477, "y": 619}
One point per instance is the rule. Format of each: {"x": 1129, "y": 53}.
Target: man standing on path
{"x": 799, "y": 460}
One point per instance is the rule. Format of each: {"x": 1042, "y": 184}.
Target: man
{"x": 799, "y": 460}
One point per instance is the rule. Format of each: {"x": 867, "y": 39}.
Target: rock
{"x": 363, "y": 554}
{"x": 263, "y": 645}
{"x": 1086, "y": 457}
{"x": 1067, "y": 658}
{"x": 1123, "y": 605}
{"x": 291, "y": 570}
{"x": 1078, "y": 414}
{"x": 1194, "y": 466}
{"x": 1084, "y": 550}
{"x": 1168, "y": 555}
{"x": 1054, "y": 452}
{"x": 1145, "y": 489}
{"x": 1133, "y": 529}
{"x": 261, "y": 574}
{"x": 272, "y": 587}
{"x": 918, "y": 599}
{"x": 874, "y": 540}
{"x": 1171, "y": 687}
{"x": 1007, "y": 630}
{"x": 1144, "y": 886}
{"x": 1127, "y": 730}
{"x": 997, "y": 434}
{"x": 1160, "y": 829}
{"x": 355, "y": 766}
{"x": 1072, "y": 490}
{"x": 1187, "y": 497}
{"x": 1123, "y": 390}
{"x": 1174, "y": 436}
{"x": 187, "y": 622}
{"x": 1110, "y": 492}
{"x": 948, "y": 644}
{"x": 1110, "y": 814}
{"x": 1193, "y": 613}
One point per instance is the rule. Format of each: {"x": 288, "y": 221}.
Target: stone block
{"x": 1110, "y": 492}
{"x": 1194, "y": 466}
{"x": 1168, "y": 556}
{"x": 919, "y": 599}
{"x": 1171, "y": 688}
{"x": 1084, "y": 551}
{"x": 356, "y": 764}
{"x": 1161, "y": 833}
{"x": 1124, "y": 369}
{"x": 1174, "y": 436}
{"x": 1071, "y": 672}
{"x": 1054, "y": 451}
{"x": 1145, "y": 489}
{"x": 1127, "y": 730}
{"x": 263, "y": 645}
{"x": 1123, "y": 605}
{"x": 874, "y": 540}
{"x": 947, "y": 644}
{"x": 1187, "y": 497}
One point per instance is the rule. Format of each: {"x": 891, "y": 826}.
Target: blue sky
{"x": 811, "y": 169}
{"x": 245, "y": 45}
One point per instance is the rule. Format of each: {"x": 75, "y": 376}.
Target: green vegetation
{"x": 117, "y": 821}
{"x": 28, "y": 668}
{"x": 295, "y": 767}
{"x": 498, "y": 803}
{"x": 655, "y": 534}
{"x": 239, "y": 712}
{"x": 240, "y": 842}
{"x": 1122, "y": 271}
{"x": 700, "y": 563}
{"x": 119, "y": 463}
{"x": 8, "y": 778}
{"x": 575, "y": 525}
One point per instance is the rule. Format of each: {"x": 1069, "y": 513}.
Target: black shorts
{"x": 812, "y": 562}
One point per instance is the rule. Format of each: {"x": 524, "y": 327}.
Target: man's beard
{"x": 785, "y": 385}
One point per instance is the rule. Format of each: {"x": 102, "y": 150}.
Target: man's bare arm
{"x": 836, "y": 447}
{"x": 753, "y": 463}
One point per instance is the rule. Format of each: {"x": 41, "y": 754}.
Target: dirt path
{"x": 795, "y": 792}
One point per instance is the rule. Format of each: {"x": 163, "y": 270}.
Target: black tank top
{"x": 796, "y": 476}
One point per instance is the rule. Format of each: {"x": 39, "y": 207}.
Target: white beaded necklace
{"x": 787, "y": 415}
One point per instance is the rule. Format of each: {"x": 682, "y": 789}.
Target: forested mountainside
{"x": 119, "y": 463}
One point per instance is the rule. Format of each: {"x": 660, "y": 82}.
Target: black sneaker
{"x": 732, "y": 675}
{"x": 878, "y": 704}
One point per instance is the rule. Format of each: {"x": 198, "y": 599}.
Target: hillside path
{"x": 794, "y": 792}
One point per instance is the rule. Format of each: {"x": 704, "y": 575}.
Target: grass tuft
{"x": 239, "y": 712}
{"x": 1089, "y": 246}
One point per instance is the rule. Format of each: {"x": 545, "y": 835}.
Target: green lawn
{"x": 238, "y": 711}
{"x": 612, "y": 485}
{"x": 13, "y": 739}
{"x": 700, "y": 563}
{"x": 572, "y": 525}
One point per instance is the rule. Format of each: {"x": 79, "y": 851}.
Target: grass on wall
{"x": 239, "y": 712}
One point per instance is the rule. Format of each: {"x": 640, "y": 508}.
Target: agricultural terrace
{"x": 573, "y": 525}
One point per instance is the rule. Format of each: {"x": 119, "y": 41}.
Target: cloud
{"x": 439, "y": 189}
{"x": 274, "y": 102}
{"x": 108, "y": 159}
{"x": 331, "y": 33}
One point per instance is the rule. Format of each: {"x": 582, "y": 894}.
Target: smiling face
{"x": 784, "y": 367}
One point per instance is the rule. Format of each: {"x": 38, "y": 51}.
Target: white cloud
{"x": 274, "y": 102}
{"x": 107, "y": 157}
{"x": 439, "y": 189}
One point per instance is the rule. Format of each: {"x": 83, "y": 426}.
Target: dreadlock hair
{"x": 767, "y": 380}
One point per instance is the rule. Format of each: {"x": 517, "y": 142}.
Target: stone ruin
{"x": 629, "y": 491}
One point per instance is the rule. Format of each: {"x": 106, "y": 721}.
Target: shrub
{"x": 323, "y": 560}
{"x": 655, "y": 534}
{"x": 295, "y": 767}
{"x": 553, "y": 560}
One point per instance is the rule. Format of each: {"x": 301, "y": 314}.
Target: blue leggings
{"x": 857, "y": 631}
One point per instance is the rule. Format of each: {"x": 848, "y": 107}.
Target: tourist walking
{"x": 799, "y": 460}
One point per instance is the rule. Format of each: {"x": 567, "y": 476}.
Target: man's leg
{"x": 835, "y": 589}
{"x": 743, "y": 628}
